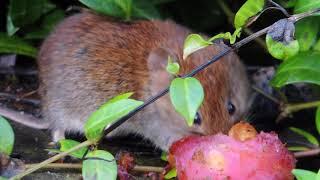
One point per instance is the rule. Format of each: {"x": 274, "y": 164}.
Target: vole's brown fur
{"x": 90, "y": 58}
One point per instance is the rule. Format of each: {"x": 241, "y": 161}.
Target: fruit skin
{"x": 222, "y": 157}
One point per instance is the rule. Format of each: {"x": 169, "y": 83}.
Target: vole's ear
{"x": 157, "y": 63}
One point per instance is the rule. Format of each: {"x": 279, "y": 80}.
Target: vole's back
{"x": 90, "y": 58}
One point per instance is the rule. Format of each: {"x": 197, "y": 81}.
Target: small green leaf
{"x": 280, "y": 50}
{"x": 126, "y": 6}
{"x": 249, "y": 9}
{"x": 298, "y": 148}
{"x": 25, "y": 12}
{"x": 306, "y": 32}
{"x": 145, "y": 9}
{"x": 107, "y": 7}
{"x": 6, "y": 137}
{"x": 16, "y": 45}
{"x": 304, "y": 67}
{"x": 66, "y": 144}
{"x": 171, "y": 174}
{"x": 11, "y": 29}
{"x": 193, "y": 43}
{"x": 318, "y": 120}
{"x": 172, "y": 67}
{"x": 301, "y": 174}
{"x": 305, "y": 134}
{"x": 306, "y": 5}
{"x": 108, "y": 113}
{"x": 228, "y": 36}
{"x": 164, "y": 156}
{"x": 186, "y": 96}
{"x": 104, "y": 168}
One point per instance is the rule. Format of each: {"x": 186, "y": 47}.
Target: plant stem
{"x": 290, "y": 108}
{"x": 52, "y": 159}
{"x": 258, "y": 90}
{"x": 307, "y": 153}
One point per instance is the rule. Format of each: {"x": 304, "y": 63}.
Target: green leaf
{"x": 11, "y": 29}
{"x": 99, "y": 169}
{"x": 301, "y": 174}
{"x": 172, "y": 67}
{"x": 280, "y": 50}
{"x": 126, "y": 6}
{"x": 48, "y": 23}
{"x": 3, "y": 178}
{"x": 305, "y": 134}
{"x": 145, "y": 9}
{"x": 193, "y": 43}
{"x": 6, "y": 137}
{"x": 298, "y": 148}
{"x": 164, "y": 156}
{"x": 108, "y": 7}
{"x": 228, "y": 36}
{"x": 171, "y": 174}
{"x": 66, "y": 144}
{"x": 108, "y": 113}
{"x": 318, "y": 120}
{"x": 249, "y": 9}
{"x": 316, "y": 47}
{"x": 306, "y": 5}
{"x": 318, "y": 175}
{"x": 304, "y": 67}
{"x": 186, "y": 96}
{"x": 25, "y": 12}
{"x": 16, "y": 45}
{"x": 306, "y": 32}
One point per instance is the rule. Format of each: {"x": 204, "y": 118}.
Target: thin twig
{"x": 284, "y": 11}
{"x": 308, "y": 153}
{"x": 136, "y": 168}
{"x": 258, "y": 90}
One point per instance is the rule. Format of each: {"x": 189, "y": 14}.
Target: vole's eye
{"x": 231, "y": 108}
{"x": 197, "y": 119}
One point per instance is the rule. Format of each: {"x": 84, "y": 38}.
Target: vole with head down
{"x": 90, "y": 58}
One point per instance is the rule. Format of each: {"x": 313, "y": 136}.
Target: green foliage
{"x": 306, "y": 5}
{"x": 249, "y": 9}
{"x": 301, "y": 174}
{"x": 280, "y": 50}
{"x": 304, "y": 67}
{"x": 104, "y": 168}
{"x": 16, "y": 45}
{"x": 186, "y": 96}
{"x": 193, "y": 43}
{"x": 164, "y": 156}
{"x": 6, "y": 137}
{"x": 231, "y": 37}
{"x": 107, "y": 114}
{"x": 313, "y": 140}
{"x": 172, "y": 67}
{"x": 26, "y": 12}
{"x": 307, "y": 32}
{"x": 125, "y": 9}
{"x": 171, "y": 174}
{"x": 318, "y": 120}
{"x": 66, "y": 144}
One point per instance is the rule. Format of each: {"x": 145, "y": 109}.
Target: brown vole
{"x": 90, "y": 58}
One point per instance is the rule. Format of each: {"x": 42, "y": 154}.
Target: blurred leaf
{"x": 232, "y": 38}
{"x": 3, "y": 178}
{"x": 192, "y": 43}
{"x": 280, "y": 50}
{"x": 66, "y": 144}
{"x": 11, "y": 29}
{"x": 172, "y": 67}
{"x": 124, "y": 9}
{"x": 16, "y": 45}
{"x": 249, "y": 9}
{"x": 107, "y": 114}
{"x": 304, "y": 67}
{"x": 171, "y": 174}
{"x": 306, "y": 32}
{"x": 306, "y": 5}
{"x": 186, "y": 96}
{"x": 47, "y": 25}
{"x": 24, "y": 12}
{"x": 298, "y": 148}
{"x": 301, "y": 174}
{"x": 104, "y": 168}
{"x": 318, "y": 175}
{"x": 6, "y": 137}
{"x": 164, "y": 156}
{"x": 318, "y": 120}
{"x": 305, "y": 134}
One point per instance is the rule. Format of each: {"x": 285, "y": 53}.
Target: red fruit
{"x": 217, "y": 157}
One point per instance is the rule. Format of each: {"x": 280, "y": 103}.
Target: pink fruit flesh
{"x": 222, "y": 157}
